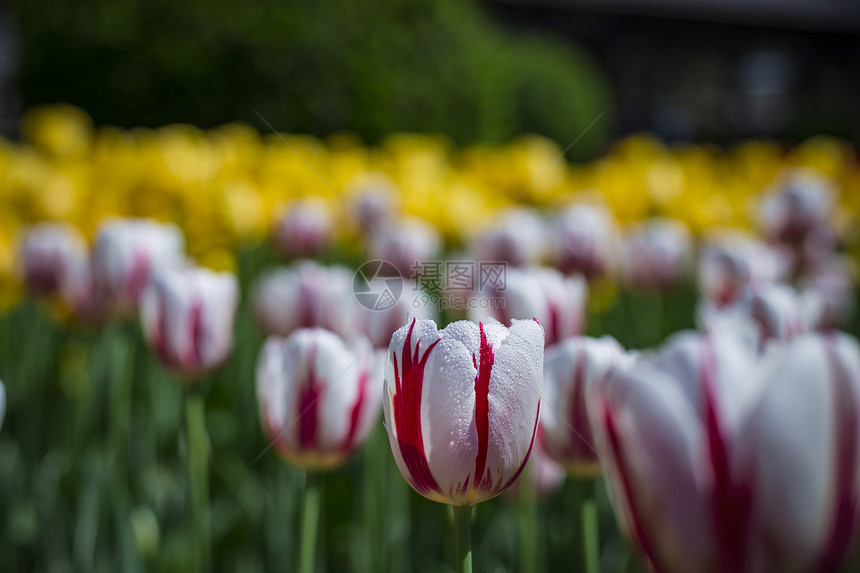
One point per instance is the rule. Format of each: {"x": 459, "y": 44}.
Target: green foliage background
{"x": 369, "y": 66}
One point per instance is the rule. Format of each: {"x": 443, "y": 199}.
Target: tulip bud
{"x": 127, "y": 252}
{"x": 516, "y": 238}
{"x": 571, "y": 370}
{"x": 47, "y": 252}
{"x": 556, "y": 301}
{"x": 405, "y": 244}
{"x": 656, "y": 255}
{"x": 720, "y": 458}
{"x": 731, "y": 261}
{"x": 798, "y": 204}
{"x": 187, "y": 318}
{"x": 304, "y": 229}
{"x": 318, "y": 396}
{"x": 461, "y": 406}
{"x": 304, "y": 295}
{"x": 585, "y": 240}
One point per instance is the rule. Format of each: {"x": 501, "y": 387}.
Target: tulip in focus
{"x": 723, "y": 459}
{"x": 187, "y": 316}
{"x": 555, "y": 300}
{"x": 729, "y": 261}
{"x": 517, "y": 238}
{"x": 318, "y": 396}
{"x": 405, "y": 243}
{"x": 461, "y": 406}
{"x": 656, "y": 255}
{"x": 305, "y": 295}
{"x": 127, "y": 252}
{"x": 304, "y": 229}
{"x": 47, "y": 252}
{"x": 585, "y": 241}
{"x": 572, "y": 368}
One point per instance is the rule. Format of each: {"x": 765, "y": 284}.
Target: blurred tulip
{"x": 127, "y": 252}
{"x": 585, "y": 241}
{"x": 517, "y": 238}
{"x": 461, "y": 406}
{"x": 47, "y": 252}
{"x": 413, "y": 302}
{"x": 303, "y": 295}
{"x": 656, "y": 255}
{"x": 318, "y": 396}
{"x": 776, "y": 310}
{"x": 187, "y": 317}
{"x": 730, "y": 261}
{"x": 829, "y": 293}
{"x": 80, "y": 294}
{"x": 571, "y": 370}
{"x": 405, "y": 244}
{"x": 798, "y": 204}
{"x": 556, "y": 301}
{"x": 374, "y": 199}
{"x": 720, "y": 459}
{"x": 304, "y": 229}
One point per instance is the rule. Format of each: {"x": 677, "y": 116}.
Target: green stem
{"x": 198, "y": 474}
{"x": 463, "y": 537}
{"x": 590, "y": 534}
{"x": 310, "y": 522}
{"x": 527, "y": 502}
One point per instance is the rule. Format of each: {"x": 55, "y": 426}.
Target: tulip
{"x": 405, "y": 244}
{"x": 557, "y": 301}
{"x": 828, "y": 291}
{"x": 461, "y": 406}
{"x": 306, "y": 295}
{"x": 776, "y": 310}
{"x": 380, "y": 325}
{"x": 800, "y": 203}
{"x": 304, "y": 230}
{"x": 317, "y": 396}
{"x": 571, "y": 370}
{"x": 187, "y": 317}
{"x": 127, "y": 252}
{"x": 79, "y": 293}
{"x": 723, "y": 459}
{"x": 730, "y": 261}
{"x": 374, "y": 200}
{"x": 47, "y": 252}
{"x": 585, "y": 241}
{"x": 656, "y": 255}
{"x": 516, "y": 238}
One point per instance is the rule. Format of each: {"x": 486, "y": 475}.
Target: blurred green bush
{"x": 368, "y": 66}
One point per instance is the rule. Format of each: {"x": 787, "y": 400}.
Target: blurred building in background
{"x": 717, "y": 70}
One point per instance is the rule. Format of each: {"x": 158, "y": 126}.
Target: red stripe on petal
{"x": 406, "y": 403}
{"x": 731, "y": 501}
{"x": 580, "y": 440}
{"x": 526, "y": 458}
{"x": 482, "y": 406}
{"x": 355, "y": 415}
{"x": 553, "y": 328}
{"x": 309, "y": 397}
{"x": 845, "y": 420}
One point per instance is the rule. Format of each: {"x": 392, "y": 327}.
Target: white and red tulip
{"x": 461, "y": 406}
{"x": 79, "y": 293}
{"x": 127, "y": 252}
{"x": 374, "y": 200}
{"x": 412, "y": 302}
{"x": 47, "y": 251}
{"x": 656, "y": 255}
{"x": 517, "y": 238}
{"x": 800, "y": 203}
{"x": 585, "y": 239}
{"x": 572, "y": 368}
{"x": 304, "y": 229}
{"x": 730, "y": 261}
{"x": 555, "y": 300}
{"x": 828, "y": 290}
{"x": 776, "y": 311}
{"x": 720, "y": 458}
{"x": 405, "y": 243}
{"x": 318, "y": 396}
{"x": 187, "y": 316}
{"x": 306, "y": 295}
